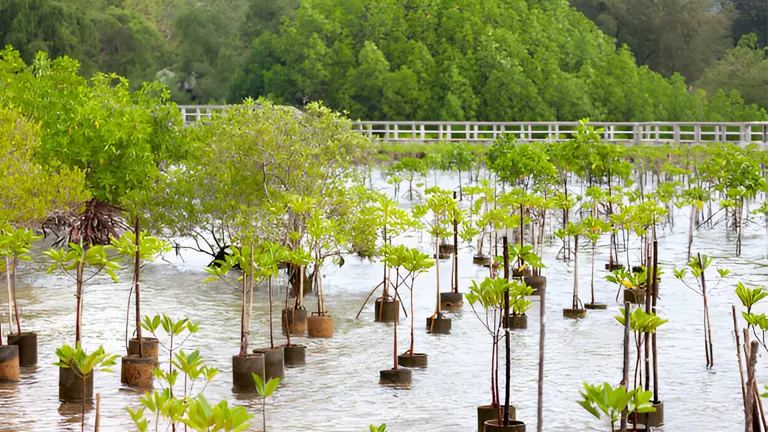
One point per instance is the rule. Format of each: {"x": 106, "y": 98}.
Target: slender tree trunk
{"x": 540, "y": 389}
{"x": 576, "y": 273}
{"x": 243, "y": 333}
{"x": 690, "y": 232}
{"x": 507, "y": 356}
{"x": 455, "y": 252}
{"x": 592, "y": 283}
{"x": 271, "y": 333}
{"x": 655, "y": 296}
{"x": 10, "y": 292}
{"x": 437, "y": 266}
{"x": 79, "y": 319}
{"x": 394, "y": 349}
{"x": 136, "y": 279}
{"x": 738, "y": 357}
{"x": 12, "y": 277}
{"x": 707, "y": 322}
{"x": 625, "y": 374}
{"x": 411, "y": 347}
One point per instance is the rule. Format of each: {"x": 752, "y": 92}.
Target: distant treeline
{"x": 424, "y": 59}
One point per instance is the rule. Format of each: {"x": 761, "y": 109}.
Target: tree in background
{"x": 744, "y": 68}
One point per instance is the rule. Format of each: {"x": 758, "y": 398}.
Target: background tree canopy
{"x": 421, "y": 59}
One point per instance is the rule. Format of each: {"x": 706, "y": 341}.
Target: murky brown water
{"x": 338, "y": 389}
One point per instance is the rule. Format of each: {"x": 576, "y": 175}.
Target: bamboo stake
{"x": 748, "y": 413}
{"x": 738, "y": 356}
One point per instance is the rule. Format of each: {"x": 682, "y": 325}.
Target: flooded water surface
{"x": 338, "y": 389}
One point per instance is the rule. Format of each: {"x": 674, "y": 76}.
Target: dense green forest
{"x": 423, "y": 59}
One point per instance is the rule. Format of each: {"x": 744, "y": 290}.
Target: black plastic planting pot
{"x": 482, "y": 260}
{"x": 513, "y": 426}
{"x": 296, "y": 320}
{"x": 574, "y": 313}
{"x": 242, "y": 368}
{"x": 438, "y": 324}
{"x": 27, "y": 343}
{"x": 595, "y": 306}
{"x": 295, "y": 355}
{"x": 614, "y": 266}
{"x": 398, "y": 377}
{"x": 136, "y": 371}
{"x": 517, "y": 322}
{"x": 490, "y": 412}
{"x": 634, "y": 296}
{"x": 451, "y": 301}
{"x": 538, "y": 283}
{"x": 150, "y": 346}
{"x": 415, "y": 360}
{"x": 526, "y": 272}
{"x": 385, "y": 310}
{"x": 274, "y": 362}
{"x": 9, "y": 363}
{"x": 72, "y": 388}
{"x": 652, "y": 419}
{"x": 446, "y": 249}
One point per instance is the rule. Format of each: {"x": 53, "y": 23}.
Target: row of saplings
{"x": 259, "y": 371}
{"x": 505, "y": 304}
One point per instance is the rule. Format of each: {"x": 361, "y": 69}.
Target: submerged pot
{"x": 295, "y": 355}
{"x": 296, "y": 320}
{"x": 634, "y": 296}
{"x": 651, "y": 419}
{"x": 242, "y": 368}
{"x": 574, "y": 313}
{"x": 398, "y": 377}
{"x": 517, "y": 322}
{"x": 151, "y": 348}
{"x": 451, "y": 301}
{"x": 518, "y": 274}
{"x": 443, "y": 256}
{"x": 513, "y": 426}
{"x": 438, "y": 324}
{"x": 482, "y": 260}
{"x": 9, "y": 363}
{"x": 136, "y": 371}
{"x": 320, "y": 326}
{"x": 614, "y": 266}
{"x": 490, "y": 412}
{"x": 538, "y": 283}
{"x": 27, "y": 343}
{"x": 72, "y": 388}
{"x": 415, "y": 360}
{"x": 595, "y": 306}
{"x": 385, "y": 310}
{"x": 446, "y": 249}
{"x": 638, "y": 427}
{"x": 274, "y": 362}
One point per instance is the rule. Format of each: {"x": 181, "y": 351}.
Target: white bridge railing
{"x": 629, "y": 132}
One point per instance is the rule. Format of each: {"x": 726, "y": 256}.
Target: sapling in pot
{"x": 698, "y": 266}
{"x": 527, "y": 266}
{"x": 594, "y": 227}
{"x": 268, "y": 257}
{"x": 139, "y": 248}
{"x": 80, "y": 367}
{"x": 632, "y": 282}
{"x": 243, "y": 364}
{"x": 80, "y": 258}
{"x": 577, "y": 308}
{"x": 14, "y": 246}
{"x": 489, "y": 295}
{"x": 615, "y": 403}
{"x": 439, "y": 205}
{"x": 412, "y": 263}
